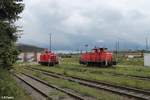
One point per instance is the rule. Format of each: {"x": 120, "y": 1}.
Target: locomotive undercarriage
{"x": 48, "y": 63}
{"x": 100, "y": 64}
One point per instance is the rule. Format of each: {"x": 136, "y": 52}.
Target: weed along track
{"x": 122, "y": 90}
{"x": 42, "y": 94}
{"x": 131, "y": 76}
{"x": 146, "y": 78}
{"x": 44, "y": 88}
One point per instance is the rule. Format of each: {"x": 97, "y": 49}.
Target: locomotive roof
{"x": 99, "y": 49}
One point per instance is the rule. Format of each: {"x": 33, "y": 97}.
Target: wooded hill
{"x": 28, "y": 48}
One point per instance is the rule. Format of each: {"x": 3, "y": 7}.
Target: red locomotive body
{"x": 48, "y": 58}
{"x": 98, "y": 57}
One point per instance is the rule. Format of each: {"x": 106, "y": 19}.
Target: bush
{"x": 9, "y": 87}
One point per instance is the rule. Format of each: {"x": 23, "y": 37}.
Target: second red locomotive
{"x": 48, "y": 58}
{"x": 98, "y": 57}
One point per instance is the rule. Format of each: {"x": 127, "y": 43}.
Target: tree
{"x": 9, "y": 13}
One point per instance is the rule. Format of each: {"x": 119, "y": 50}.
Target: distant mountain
{"x": 28, "y": 48}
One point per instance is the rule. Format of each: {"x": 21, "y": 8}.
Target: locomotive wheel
{"x": 56, "y": 63}
{"x": 114, "y": 62}
{"x": 106, "y": 63}
{"x": 110, "y": 64}
{"x": 84, "y": 63}
{"x": 50, "y": 64}
{"x": 80, "y": 62}
{"x": 88, "y": 63}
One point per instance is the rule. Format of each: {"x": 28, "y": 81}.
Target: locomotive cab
{"x": 48, "y": 58}
{"x": 97, "y": 57}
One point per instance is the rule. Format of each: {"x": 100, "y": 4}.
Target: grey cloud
{"x": 77, "y": 22}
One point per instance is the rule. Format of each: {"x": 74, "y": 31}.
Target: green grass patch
{"x": 71, "y": 67}
{"x": 87, "y": 91}
{"x": 133, "y": 61}
{"x": 98, "y": 76}
{"x": 119, "y": 69}
{"x": 9, "y": 87}
{"x": 129, "y": 67}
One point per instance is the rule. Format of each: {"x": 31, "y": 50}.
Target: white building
{"x": 147, "y": 59}
{"x": 29, "y": 57}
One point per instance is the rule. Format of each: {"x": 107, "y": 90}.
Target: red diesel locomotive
{"x": 98, "y": 57}
{"x": 48, "y": 58}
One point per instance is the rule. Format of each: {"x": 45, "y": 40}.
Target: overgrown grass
{"x": 120, "y": 80}
{"x": 119, "y": 69}
{"x": 128, "y": 67}
{"x": 133, "y": 61}
{"x": 9, "y": 87}
{"x": 71, "y": 67}
{"x": 120, "y": 59}
{"x": 87, "y": 91}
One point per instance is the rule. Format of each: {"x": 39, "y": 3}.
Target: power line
{"x": 117, "y": 49}
{"x": 146, "y": 41}
{"x": 50, "y": 42}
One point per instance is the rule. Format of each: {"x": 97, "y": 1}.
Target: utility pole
{"x": 118, "y": 45}
{"x": 117, "y": 49}
{"x": 50, "y": 37}
{"x": 86, "y": 47}
{"x": 146, "y": 40}
{"x": 50, "y": 42}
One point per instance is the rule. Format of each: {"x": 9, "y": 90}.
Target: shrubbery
{"x": 9, "y": 10}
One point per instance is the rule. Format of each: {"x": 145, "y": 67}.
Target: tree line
{"x": 9, "y": 14}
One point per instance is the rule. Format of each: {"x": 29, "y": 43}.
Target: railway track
{"x": 39, "y": 92}
{"x": 122, "y": 90}
{"x": 43, "y": 87}
{"x": 131, "y": 76}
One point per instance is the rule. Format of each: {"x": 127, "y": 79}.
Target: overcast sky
{"x": 74, "y": 23}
